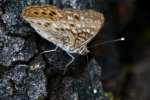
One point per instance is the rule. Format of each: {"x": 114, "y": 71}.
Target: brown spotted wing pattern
{"x": 70, "y": 29}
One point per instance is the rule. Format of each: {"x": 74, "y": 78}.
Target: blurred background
{"x": 130, "y": 79}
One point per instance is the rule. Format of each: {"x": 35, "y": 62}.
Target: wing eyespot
{"x": 72, "y": 25}
{"x": 36, "y": 13}
{"x": 76, "y": 17}
{"x": 31, "y": 21}
{"x": 62, "y": 29}
{"x": 46, "y": 24}
{"x": 54, "y": 13}
{"x": 39, "y": 23}
{"x": 44, "y": 13}
{"x": 50, "y": 14}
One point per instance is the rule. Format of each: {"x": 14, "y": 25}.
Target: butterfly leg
{"x": 50, "y": 50}
{"x": 70, "y": 62}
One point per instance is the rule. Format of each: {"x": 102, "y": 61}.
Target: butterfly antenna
{"x": 109, "y": 41}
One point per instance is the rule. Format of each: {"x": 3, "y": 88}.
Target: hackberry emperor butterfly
{"x": 69, "y": 29}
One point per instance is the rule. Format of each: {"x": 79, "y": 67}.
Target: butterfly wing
{"x": 83, "y": 25}
{"x": 45, "y": 19}
{"x": 69, "y": 29}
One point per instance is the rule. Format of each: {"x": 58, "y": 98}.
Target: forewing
{"x": 45, "y": 20}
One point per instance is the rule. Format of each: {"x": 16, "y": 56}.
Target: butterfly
{"x": 69, "y": 29}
